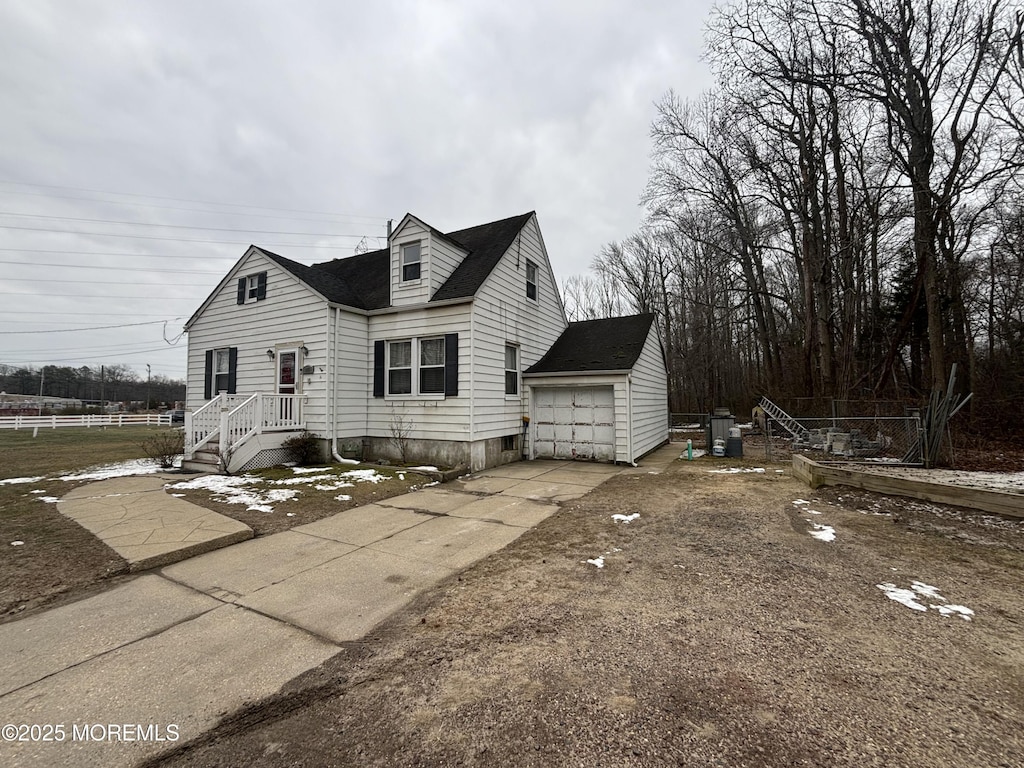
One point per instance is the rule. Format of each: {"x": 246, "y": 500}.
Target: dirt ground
{"x": 717, "y": 633}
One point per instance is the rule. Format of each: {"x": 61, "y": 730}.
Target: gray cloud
{"x": 343, "y": 114}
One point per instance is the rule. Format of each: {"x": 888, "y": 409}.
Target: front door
{"x": 287, "y": 371}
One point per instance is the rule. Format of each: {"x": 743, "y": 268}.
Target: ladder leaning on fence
{"x": 783, "y": 419}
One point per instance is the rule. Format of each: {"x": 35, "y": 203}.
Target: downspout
{"x": 472, "y": 384}
{"x": 629, "y": 419}
{"x": 333, "y": 356}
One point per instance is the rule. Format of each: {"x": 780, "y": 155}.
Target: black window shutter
{"x": 451, "y": 364}
{"x": 241, "y": 290}
{"x": 232, "y": 365}
{"x": 261, "y": 286}
{"x": 378, "y": 369}
{"x": 208, "y": 377}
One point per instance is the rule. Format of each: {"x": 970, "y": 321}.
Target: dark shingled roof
{"x": 611, "y": 344}
{"x": 486, "y": 244}
{"x": 363, "y": 280}
{"x": 334, "y": 289}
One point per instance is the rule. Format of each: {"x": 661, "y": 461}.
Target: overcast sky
{"x": 145, "y": 144}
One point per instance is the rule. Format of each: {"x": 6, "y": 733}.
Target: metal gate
{"x": 574, "y": 423}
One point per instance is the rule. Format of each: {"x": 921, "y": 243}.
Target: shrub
{"x": 304, "y": 449}
{"x": 165, "y": 446}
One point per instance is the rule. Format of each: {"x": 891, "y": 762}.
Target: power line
{"x": 182, "y": 200}
{"x": 21, "y": 313}
{"x": 131, "y": 255}
{"x": 99, "y": 327}
{"x": 182, "y": 240}
{"x": 94, "y": 282}
{"x": 119, "y": 269}
{"x": 93, "y": 357}
{"x": 350, "y": 216}
{"x": 50, "y": 295}
{"x": 168, "y": 226}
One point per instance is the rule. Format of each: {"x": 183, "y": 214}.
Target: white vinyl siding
{"x": 290, "y": 315}
{"x": 433, "y": 416}
{"x": 502, "y": 315}
{"x": 650, "y": 397}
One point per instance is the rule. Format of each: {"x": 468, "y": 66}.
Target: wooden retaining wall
{"x": 816, "y": 475}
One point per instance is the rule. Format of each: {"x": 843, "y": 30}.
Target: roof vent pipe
{"x": 389, "y": 228}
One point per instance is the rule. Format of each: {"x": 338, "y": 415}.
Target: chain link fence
{"x": 879, "y": 438}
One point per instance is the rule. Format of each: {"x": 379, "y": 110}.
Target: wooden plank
{"x": 998, "y": 502}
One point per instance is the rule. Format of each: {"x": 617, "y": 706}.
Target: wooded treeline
{"x": 842, "y": 216}
{"x": 113, "y": 383}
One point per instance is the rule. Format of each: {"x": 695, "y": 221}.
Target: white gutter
{"x": 334, "y": 388}
{"x": 543, "y": 375}
{"x": 629, "y": 418}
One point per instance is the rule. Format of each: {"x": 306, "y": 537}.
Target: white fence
{"x": 85, "y": 420}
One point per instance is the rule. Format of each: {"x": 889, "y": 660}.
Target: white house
{"x": 450, "y": 347}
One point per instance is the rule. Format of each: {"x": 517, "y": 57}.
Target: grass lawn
{"x": 58, "y": 556}
{"x": 58, "y": 559}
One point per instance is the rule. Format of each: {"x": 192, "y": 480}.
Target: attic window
{"x": 252, "y": 288}
{"x": 531, "y": 280}
{"x": 411, "y": 261}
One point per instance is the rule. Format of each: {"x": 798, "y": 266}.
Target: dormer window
{"x": 531, "y": 280}
{"x": 411, "y": 261}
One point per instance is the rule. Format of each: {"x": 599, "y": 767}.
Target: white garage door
{"x": 574, "y": 423}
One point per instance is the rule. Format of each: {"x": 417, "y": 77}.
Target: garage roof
{"x": 610, "y": 344}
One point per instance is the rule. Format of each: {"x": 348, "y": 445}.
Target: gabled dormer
{"x": 422, "y": 259}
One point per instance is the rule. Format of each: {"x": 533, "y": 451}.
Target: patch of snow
{"x": 697, "y": 453}
{"x": 823, "y": 532}
{"x": 364, "y": 475}
{"x": 626, "y": 518}
{"x": 780, "y": 471}
{"x": 238, "y": 490}
{"x": 426, "y": 468}
{"x": 907, "y": 597}
{"x": 40, "y": 490}
{"x": 17, "y": 543}
{"x": 342, "y": 497}
{"x": 291, "y": 514}
{"x": 302, "y": 480}
{"x": 1012, "y": 482}
{"x": 926, "y": 590}
{"x": 735, "y": 470}
{"x": 308, "y": 470}
{"x": 178, "y": 495}
{"x": 333, "y": 486}
{"x": 812, "y": 512}
{"x": 401, "y": 476}
{"x": 962, "y": 611}
{"x": 120, "y": 469}
{"x": 597, "y": 561}
{"x": 19, "y": 480}
{"x": 49, "y": 499}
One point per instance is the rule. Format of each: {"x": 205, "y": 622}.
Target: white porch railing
{"x": 227, "y": 421}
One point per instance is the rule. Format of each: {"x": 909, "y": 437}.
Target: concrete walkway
{"x": 128, "y": 672}
{"x": 136, "y": 518}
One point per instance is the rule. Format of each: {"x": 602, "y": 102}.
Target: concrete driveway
{"x": 118, "y": 677}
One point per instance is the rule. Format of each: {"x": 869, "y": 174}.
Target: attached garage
{"x": 575, "y": 423}
{"x": 600, "y": 393}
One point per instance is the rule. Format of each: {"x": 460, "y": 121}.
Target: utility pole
{"x": 148, "y": 379}
{"x": 103, "y": 402}
{"x": 42, "y": 378}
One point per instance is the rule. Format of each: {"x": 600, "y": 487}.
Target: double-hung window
{"x": 221, "y": 370}
{"x": 432, "y": 366}
{"x": 511, "y": 370}
{"x": 531, "y": 280}
{"x": 400, "y": 367}
{"x": 411, "y": 261}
